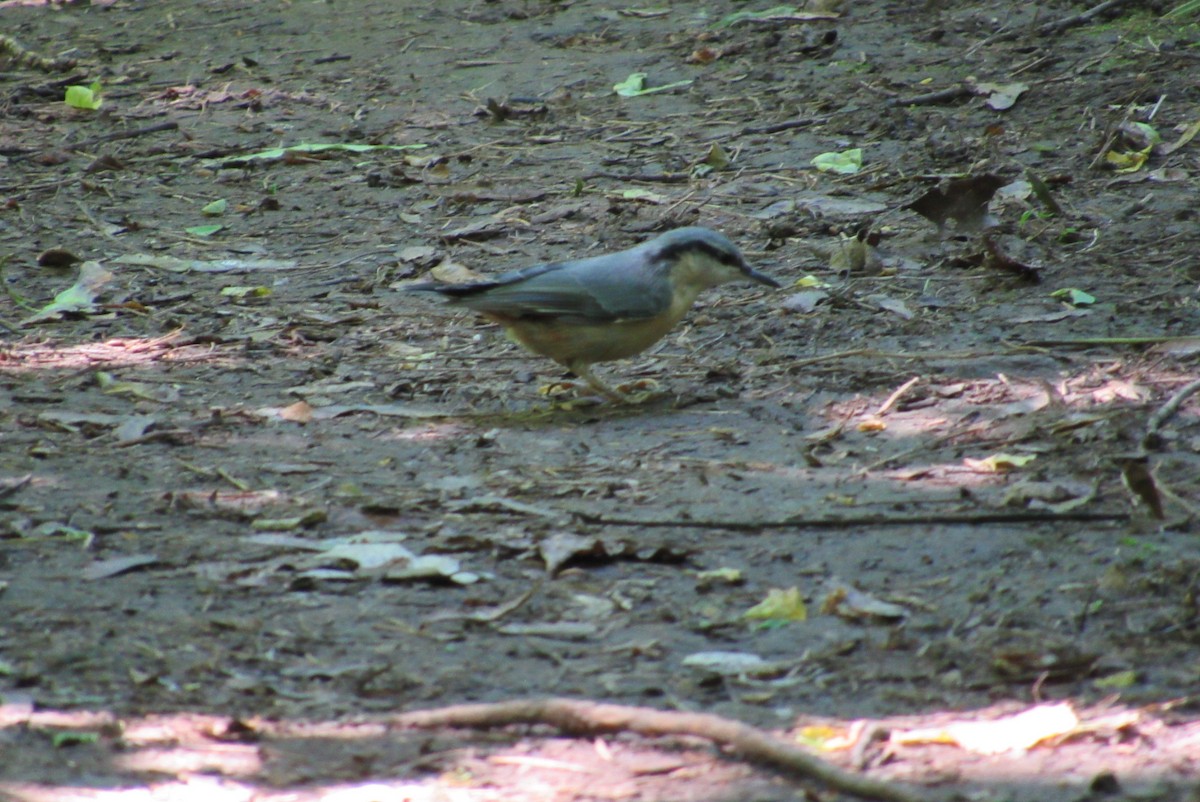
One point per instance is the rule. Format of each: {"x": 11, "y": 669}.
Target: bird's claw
{"x": 634, "y": 392}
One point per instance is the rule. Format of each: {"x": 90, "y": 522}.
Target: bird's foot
{"x": 635, "y": 392}
{"x": 640, "y": 391}
{"x": 572, "y": 394}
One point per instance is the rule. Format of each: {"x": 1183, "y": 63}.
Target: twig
{"x": 929, "y": 98}
{"x": 796, "y": 364}
{"x": 786, "y": 125}
{"x": 15, "y": 487}
{"x": 170, "y": 125}
{"x": 1151, "y": 440}
{"x": 590, "y": 718}
{"x": 663, "y": 178}
{"x": 894, "y": 397}
{"x": 853, "y": 521}
{"x": 169, "y": 436}
{"x": 1087, "y": 342}
{"x": 1058, "y": 26}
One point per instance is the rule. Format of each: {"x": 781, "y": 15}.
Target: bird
{"x": 606, "y": 307}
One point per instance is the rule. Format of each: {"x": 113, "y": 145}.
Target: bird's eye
{"x": 730, "y": 259}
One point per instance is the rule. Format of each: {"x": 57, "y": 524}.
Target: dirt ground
{"x": 255, "y": 500}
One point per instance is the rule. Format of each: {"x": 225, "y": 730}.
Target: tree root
{"x": 580, "y": 717}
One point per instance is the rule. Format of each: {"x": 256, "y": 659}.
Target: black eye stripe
{"x": 722, "y": 256}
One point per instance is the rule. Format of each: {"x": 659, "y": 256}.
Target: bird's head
{"x": 699, "y": 258}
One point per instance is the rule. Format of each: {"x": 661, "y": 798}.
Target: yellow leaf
{"x": 780, "y": 605}
{"x": 999, "y": 463}
{"x": 1128, "y": 161}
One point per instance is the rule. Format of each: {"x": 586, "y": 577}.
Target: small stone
{"x": 1105, "y": 783}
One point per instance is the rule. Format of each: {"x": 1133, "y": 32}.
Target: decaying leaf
{"x": 175, "y": 265}
{"x": 854, "y": 256}
{"x": 999, "y": 96}
{"x": 847, "y": 601}
{"x": 888, "y": 304}
{"x": 776, "y": 14}
{"x": 724, "y": 663}
{"x": 1010, "y": 734}
{"x": 999, "y": 463}
{"x": 963, "y": 200}
{"x": 1054, "y": 496}
{"x": 1139, "y": 481}
{"x": 110, "y": 385}
{"x": 805, "y": 301}
{"x": 103, "y": 569}
{"x": 1189, "y": 133}
{"x": 557, "y": 549}
{"x": 299, "y": 412}
{"x": 275, "y": 154}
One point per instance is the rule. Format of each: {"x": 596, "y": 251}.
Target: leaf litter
{"x": 787, "y": 430}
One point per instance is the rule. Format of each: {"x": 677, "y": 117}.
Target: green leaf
{"x": 1117, "y": 681}
{"x": 1073, "y": 296}
{"x": 79, "y": 298}
{"x": 62, "y": 739}
{"x": 84, "y": 97}
{"x": 635, "y": 86}
{"x": 847, "y": 162}
{"x": 66, "y": 532}
{"x": 780, "y": 605}
{"x": 204, "y": 231}
{"x": 717, "y": 158}
{"x": 642, "y": 195}
{"x": 631, "y": 86}
{"x": 216, "y": 208}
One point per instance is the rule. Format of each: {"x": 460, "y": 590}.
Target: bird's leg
{"x": 585, "y": 373}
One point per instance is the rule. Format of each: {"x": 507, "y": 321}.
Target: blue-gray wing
{"x": 597, "y": 290}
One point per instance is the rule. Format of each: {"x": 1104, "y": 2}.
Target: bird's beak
{"x": 761, "y": 278}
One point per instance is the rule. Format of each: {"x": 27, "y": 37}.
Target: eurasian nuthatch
{"x": 605, "y": 307}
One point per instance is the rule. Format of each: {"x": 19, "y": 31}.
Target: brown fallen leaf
{"x": 963, "y": 200}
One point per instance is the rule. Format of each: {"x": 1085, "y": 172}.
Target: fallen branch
{"x": 794, "y": 365}
{"x": 1058, "y": 26}
{"x": 1089, "y": 342}
{"x": 1167, "y": 411}
{"x": 589, "y": 718}
{"x": 931, "y": 98}
{"x": 785, "y": 125}
{"x": 170, "y": 125}
{"x": 854, "y": 521}
{"x": 664, "y": 178}
{"x": 896, "y": 396}
{"x": 1054, "y": 27}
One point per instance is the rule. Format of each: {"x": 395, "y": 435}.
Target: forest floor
{"x": 256, "y": 502}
